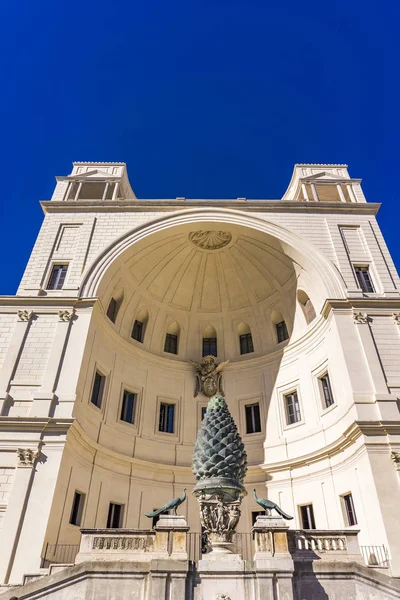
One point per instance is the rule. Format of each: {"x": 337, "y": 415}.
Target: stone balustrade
{"x": 326, "y": 545}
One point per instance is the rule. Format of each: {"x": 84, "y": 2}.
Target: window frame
{"x": 168, "y": 337}
{"x": 53, "y": 265}
{"x": 277, "y": 331}
{"x": 121, "y": 515}
{"x": 306, "y": 505}
{"x": 79, "y": 511}
{"x": 246, "y": 406}
{"x": 134, "y": 409}
{"x": 168, "y": 405}
{"x": 113, "y": 317}
{"x": 285, "y": 396}
{"x": 364, "y": 267}
{"x": 246, "y": 345}
{"x": 209, "y": 340}
{"x": 248, "y": 400}
{"x": 325, "y": 406}
{"x": 99, "y": 372}
{"x": 142, "y": 331}
{"x": 346, "y": 511}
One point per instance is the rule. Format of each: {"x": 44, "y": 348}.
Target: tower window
{"x": 128, "y": 407}
{"x": 77, "y": 509}
{"x": 246, "y": 343}
{"x": 166, "y": 421}
{"x": 171, "y": 343}
{"x": 112, "y": 310}
{"x": 253, "y": 421}
{"x": 137, "y": 331}
{"x": 293, "y": 414}
{"x": 98, "y": 389}
{"x": 307, "y": 516}
{"x": 326, "y": 389}
{"x": 57, "y": 277}
{"x": 364, "y": 279}
{"x": 349, "y": 509}
{"x": 281, "y": 332}
{"x": 209, "y": 346}
{"x": 114, "y": 516}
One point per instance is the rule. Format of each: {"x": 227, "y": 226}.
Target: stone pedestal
{"x": 174, "y": 529}
{"x": 273, "y": 561}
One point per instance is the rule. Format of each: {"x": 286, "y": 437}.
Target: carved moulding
{"x": 210, "y": 240}
{"x": 27, "y": 457}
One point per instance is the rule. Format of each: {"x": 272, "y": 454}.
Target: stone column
{"x": 10, "y": 361}
{"x": 371, "y": 354}
{"x": 273, "y": 562}
{"x": 314, "y": 192}
{"x": 16, "y": 508}
{"x": 340, "y": 192}
{"x": 304, "y": 190}
{"x": 43, "y": 398}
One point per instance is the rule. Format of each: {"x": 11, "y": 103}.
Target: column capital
{"x": 25, "y": 315}
{"x": 27, "y": 457}
{"x": 360, "y": 318}
{"x": 66, "y": 315}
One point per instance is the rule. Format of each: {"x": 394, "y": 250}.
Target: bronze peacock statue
{"x": 172, "y": 505}
{"x": 267, "y": 505}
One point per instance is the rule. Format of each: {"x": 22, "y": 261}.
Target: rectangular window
{"x": 203, "y": 412}
{"x": 77, "y": 508}
{"x": 326, "y": 389}
{"x": 57, "y": 277}
{"x": 114, "y": 518}
{"x": 128, "y": 407}
{"x": 171, "y": 343}
{"x": 350, "y": 510}
{"x": 307, "y": 516}
{"x": 137, "y": 331}
{"x": 364, "y": 279}
{"x": 253, "y": 421}
{"x": 293, "y": 414}
{"x": 209, "y": 346}
{"x": 281, "y": 332}
{"x": 112, "y": 310}
{"x": 246, "y": 343}
{"x": 166, "y": 422}
{"x": 98, "y": 389}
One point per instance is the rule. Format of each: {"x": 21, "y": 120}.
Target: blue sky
{"x": 210, "y": 99}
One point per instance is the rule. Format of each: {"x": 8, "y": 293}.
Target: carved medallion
{"x": 208, "y": 376}
{"x": 210, "y": 240}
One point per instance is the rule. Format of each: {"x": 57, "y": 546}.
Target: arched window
{"x": 245, "y": 339}
{"x": 139, "y": 325}
{"x": 280, "y": 326}
{"x": 307, "y": 306}
{"x": 114, "y": 305}
{"x": 172, "y": 338}
{"x": 210, "y": 341}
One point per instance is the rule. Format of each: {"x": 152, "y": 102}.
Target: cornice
{"x": 46, "y": 302}
{"x": 370, "y": 304}
{"x": 35, "y": 424}
{"x": 273, "y": 206}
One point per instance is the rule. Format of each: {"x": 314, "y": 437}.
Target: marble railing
{"x": 324, "y": 544}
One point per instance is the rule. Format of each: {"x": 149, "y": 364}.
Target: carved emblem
{"x": 210, "y": 240}
{"x": 360, "y": 317}
{"x": 66, "y": 315}
{"x": 25, "y": 315}
{"x": 209, "y": 376}
{"x": 396, "y": 318}
{"x": 27, "y": 457}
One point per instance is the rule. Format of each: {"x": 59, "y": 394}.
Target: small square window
{"x": 171, "y": 343}
{"x": 57, "y": 277}
{"x": 137, "y": 331}
{"x": 253, "y": 421}
{"x": 114, "y": 518}
{"x": 112, "y": 310}
{"x": 281, "y": 332}
{"x": 98, "y": 389}
{"x": 364, "y": 279}
{"x": 325, "y": 386}
{"x": 246, "y": 343}
{"x": 307, "y": 516}
{"x": 292, "y": 406}
{"x": 128, "y": 407}
{"x": 350, "y": 512}
{"x": 77, "y": 509}
{"x": 167, "y": 415}
{"x": 209, "y": 346}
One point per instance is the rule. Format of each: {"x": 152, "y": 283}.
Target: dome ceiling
{"x": 210, "y": 269}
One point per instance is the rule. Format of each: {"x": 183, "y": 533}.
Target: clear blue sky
{"x": 201, "y": 99}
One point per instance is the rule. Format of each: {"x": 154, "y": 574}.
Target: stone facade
{"x": 275, "y": 261}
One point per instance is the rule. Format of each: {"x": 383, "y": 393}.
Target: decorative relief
{"x": 25, "y": 315}
{"x": 218, "y": 517}
{"x": 395, "y": 456}
{"x": 396, "y": 318}
{"x": 210, "y": 240}
{"x": 222, "y": 597}
{"x": 360, "y": 317}
{"x": 209, "y": 376}
{"x": 66, "y": 315}
{"x": 27, "y": 457}
{"x": 144, "y": 544}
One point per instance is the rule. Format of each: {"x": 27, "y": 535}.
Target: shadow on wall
{"x": 305, "y": 582}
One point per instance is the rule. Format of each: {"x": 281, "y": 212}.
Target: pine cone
{"x": 219, "y": 450}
